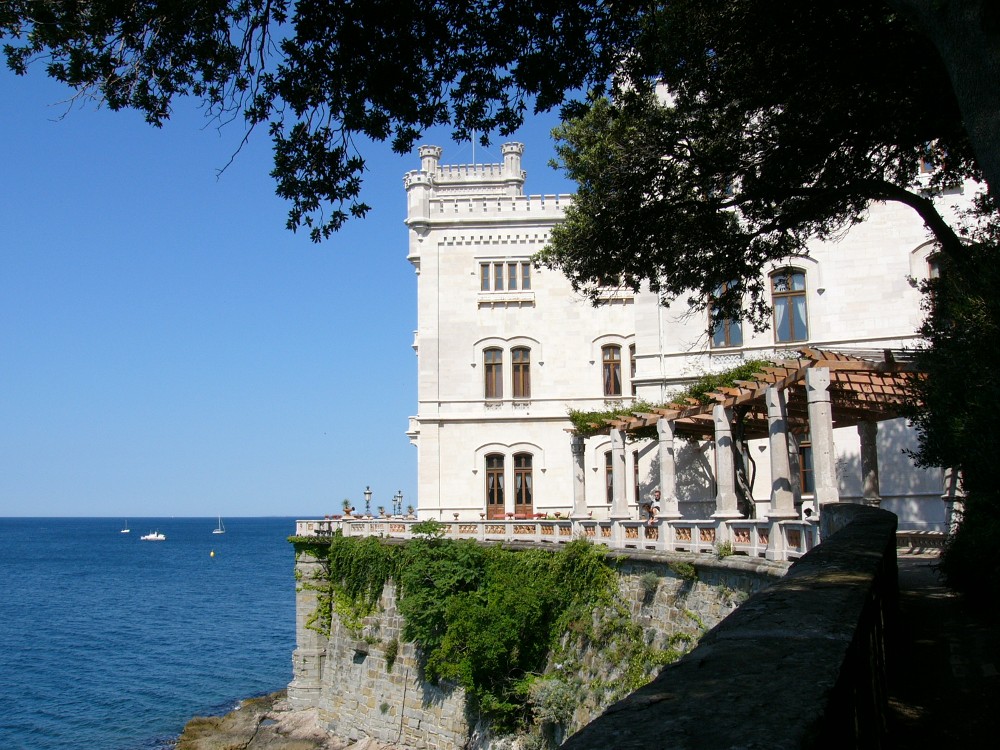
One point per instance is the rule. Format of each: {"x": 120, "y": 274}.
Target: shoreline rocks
{"x": 266, "y": 723}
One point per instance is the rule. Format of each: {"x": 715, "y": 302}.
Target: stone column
{"x": 619, "y": 503}
{"x": 310, "y": 645}
{"x": 668, "y": 469}
{"x": 954, "y": 498}
{"x": 577, "y": 446}
{"x": 782, "y": 498}
{"x": 725, "y": 469}
{"x": 821, "y": 436}
{"x": 868, "y": 433}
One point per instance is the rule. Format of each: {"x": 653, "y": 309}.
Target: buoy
{"x": 212, "y": 553}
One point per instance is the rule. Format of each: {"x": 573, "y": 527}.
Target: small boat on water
{"x": 220, "y": 529}
{"x": 126, "y": 529}
{"x": 153, "y": 536}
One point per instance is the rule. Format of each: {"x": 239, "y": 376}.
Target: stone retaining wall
{"x": 346, "y": 675}
{"x": 799, "y": 665}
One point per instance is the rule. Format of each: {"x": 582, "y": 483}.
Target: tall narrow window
{"x": 631, "y": 367}
{"x": 493, "y": 373}
{"x": 523, "y": 487}
{"x": 611, "y": 356}
{"x": 928, "y": 160}
{"x": 725, "y": 332}
{"x": 520, "y": 366}
{"x": 788, "y": 295}
{"x": 635, "y": 475}
{"x": 806, "y": 476}
{"x": 494, "y": 486}
{"x": 495, "y": 276}
{"x": 609, "y": 482}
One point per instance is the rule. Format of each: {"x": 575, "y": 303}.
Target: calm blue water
{"x": 111, "y": 643}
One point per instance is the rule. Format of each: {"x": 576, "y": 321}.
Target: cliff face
{"x": 368, "y": 683}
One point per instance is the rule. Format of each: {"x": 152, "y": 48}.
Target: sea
{"x": 108, "y": 642}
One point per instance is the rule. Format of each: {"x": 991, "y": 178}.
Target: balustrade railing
{"x": 776, "y": 540}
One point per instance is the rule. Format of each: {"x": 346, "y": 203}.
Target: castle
{"x": 505, "y": 349}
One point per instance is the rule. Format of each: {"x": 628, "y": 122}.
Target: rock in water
{"x": 264, "y": 723}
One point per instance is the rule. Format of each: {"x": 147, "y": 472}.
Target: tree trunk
{"x": 966, "y": 34}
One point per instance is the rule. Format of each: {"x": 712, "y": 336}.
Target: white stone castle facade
{"x": 506, "y": 349}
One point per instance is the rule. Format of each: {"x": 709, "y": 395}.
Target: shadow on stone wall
{"x": 802, "y": 664}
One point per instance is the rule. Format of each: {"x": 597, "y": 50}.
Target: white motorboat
{"x": 153, "y": 536}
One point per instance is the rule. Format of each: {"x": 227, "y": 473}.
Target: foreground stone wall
{"x": 347, "y": 677}
{"x": 799, "y": 665}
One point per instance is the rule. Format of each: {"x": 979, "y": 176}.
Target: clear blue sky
{"x": 167, "y": 347}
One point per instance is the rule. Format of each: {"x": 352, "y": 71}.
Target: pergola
{"x": 813, "y": 393}
{"x": 861, "y": 390}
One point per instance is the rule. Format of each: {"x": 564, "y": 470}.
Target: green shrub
{"x": 431, "y": 529}
{"x": 648, "y": 583}
{"x": 553, "y": 700}
{"x": 391, "y": 654}
{"x": 684, "y": 570}
{"x": 970, "y": 563}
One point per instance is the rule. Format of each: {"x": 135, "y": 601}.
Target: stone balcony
{"x": 771, "y": 539}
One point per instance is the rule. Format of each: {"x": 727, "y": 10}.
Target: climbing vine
{"x": 589, "y": 422}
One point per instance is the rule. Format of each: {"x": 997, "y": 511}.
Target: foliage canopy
{"x": 318, "y": 75}
{"x": 747, "y": 129}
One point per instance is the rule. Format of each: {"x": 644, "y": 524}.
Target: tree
{"x": 781, "y": 124}
{"x": 318, "y": 73}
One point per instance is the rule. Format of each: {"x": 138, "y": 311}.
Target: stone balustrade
{"x": 773, "y": 539}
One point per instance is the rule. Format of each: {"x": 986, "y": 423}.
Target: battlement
{"x": 503, "y": 178}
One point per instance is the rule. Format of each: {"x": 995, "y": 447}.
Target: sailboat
{"x": 126, "y": 529}
{"x": 220, "y": 529}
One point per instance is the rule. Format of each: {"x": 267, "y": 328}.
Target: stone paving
{"x": 945, "y": 691}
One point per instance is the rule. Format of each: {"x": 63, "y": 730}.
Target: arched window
{"x": 725, "y": 332}
{"x": 611, "y": 357}
{"x": 788, "y": 296}
{"x": 523, "y": 486}
{"x": 520, "y": 371}
{"x": 493, "y": 373}
{"x": 494, "y": 486}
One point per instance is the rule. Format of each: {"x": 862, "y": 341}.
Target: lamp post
{"x": 397, "y": 503}
{"x": 368, "y": 501}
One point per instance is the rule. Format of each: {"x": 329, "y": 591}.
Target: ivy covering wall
{"x": 490, "y": 620}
